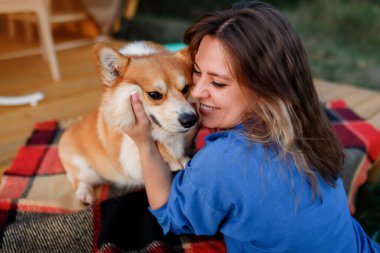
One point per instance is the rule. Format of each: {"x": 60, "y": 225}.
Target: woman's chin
{"x": 208, "y": 124}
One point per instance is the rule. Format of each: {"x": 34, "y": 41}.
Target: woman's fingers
{"x": 140, "y": 133}
{"x": 138, "y": 109}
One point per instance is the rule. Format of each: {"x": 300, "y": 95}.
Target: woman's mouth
{"x": 208, "y": 108}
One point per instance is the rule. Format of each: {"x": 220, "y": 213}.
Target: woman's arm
{"x": 156, "y": 172}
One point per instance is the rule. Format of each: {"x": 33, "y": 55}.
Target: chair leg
{"x": 11, "y": 26}
{"x": 28, "y": 27}
{"x": 47, "y": 40}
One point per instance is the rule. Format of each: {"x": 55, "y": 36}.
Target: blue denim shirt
{"x": 258, "y": 202}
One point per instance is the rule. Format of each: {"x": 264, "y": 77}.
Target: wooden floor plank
{"x": 338, "y": 92}
{"x": 364, "y": 102}
{"x": 323, "y": 87}
{"x": 356, "y": 99}
{"x": 370, "y": 107}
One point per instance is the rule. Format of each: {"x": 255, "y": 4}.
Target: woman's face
{"x": 223, "y": 102}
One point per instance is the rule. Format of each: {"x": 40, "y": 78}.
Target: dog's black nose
{"x": 187, "y": 119}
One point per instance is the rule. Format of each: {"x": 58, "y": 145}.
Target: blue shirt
{"x": 258, "y": 202}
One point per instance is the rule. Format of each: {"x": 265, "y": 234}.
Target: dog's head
{"x": 162, "y": 79}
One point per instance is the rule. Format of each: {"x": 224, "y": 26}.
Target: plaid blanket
{"x": 361, "y": 142}
{"x": 39, "y": 212}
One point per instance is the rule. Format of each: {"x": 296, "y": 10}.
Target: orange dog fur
{"x": 95, "y": 150}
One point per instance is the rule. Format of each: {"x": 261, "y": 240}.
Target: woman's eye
{"x": 217, "y": 84}
{"x": 185, "y": 89}
{"x": 155, "y": 95}
{"x": 196, "y": 71}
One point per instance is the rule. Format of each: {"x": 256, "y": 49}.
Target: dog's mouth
{"x": 184, "y": 131}
{"x": 154, "y": 120}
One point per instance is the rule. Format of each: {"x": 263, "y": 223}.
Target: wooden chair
{"x": 41, "y": 9}
{"x": 44, "y": 20}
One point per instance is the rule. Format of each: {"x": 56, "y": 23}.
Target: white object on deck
{"x": 31, "y": 99}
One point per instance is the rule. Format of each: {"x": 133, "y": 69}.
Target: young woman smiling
{"x": 270, "y": 179}
{"x": 223, "y": 102}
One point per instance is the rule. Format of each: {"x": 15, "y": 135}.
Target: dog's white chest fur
{"x": 130, "y": 161}
{"x": 130, "y": 158}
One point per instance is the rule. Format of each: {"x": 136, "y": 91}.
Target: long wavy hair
{"x": 266, "y": 56}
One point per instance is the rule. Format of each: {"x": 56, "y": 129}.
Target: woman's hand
{"x": 156, "y": 172}
{"x": 140, "y": 133}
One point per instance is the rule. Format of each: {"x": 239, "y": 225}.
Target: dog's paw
{"x": 85, "y": 194}
{"x": 183, "y": 161}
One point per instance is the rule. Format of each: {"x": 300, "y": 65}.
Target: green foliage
{"x": 341, "y": 37}
{"x": 183, "y": 9}
{"x": 353, "y": 23}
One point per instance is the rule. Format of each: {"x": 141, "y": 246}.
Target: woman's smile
{"x": 207, "y": 108}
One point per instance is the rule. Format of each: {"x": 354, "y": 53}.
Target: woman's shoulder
{"x": 225, "y": 150}
{"x": 217, "y": 169}
{"x": 229, "y": 165}
{"x": 227, "y": 139}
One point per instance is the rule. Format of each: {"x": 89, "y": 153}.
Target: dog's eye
{"x": 155, "y": 95}
{"x": 185, "y": 89}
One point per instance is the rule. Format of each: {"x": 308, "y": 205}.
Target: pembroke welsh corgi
{"x": 95, "y": 150}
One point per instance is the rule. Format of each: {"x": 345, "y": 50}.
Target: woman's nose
{"x": 200, "y": 90}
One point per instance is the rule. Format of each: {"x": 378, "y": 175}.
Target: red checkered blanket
{"x": 39, "y": 212}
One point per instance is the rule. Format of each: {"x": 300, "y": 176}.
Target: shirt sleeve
{"x": 188, "y": 209}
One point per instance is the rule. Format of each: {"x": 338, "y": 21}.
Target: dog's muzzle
{"x": 188, "y": 120}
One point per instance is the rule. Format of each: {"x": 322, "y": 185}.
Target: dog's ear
{"x": 110, "y": 64}
{"x": 184, "y": 54}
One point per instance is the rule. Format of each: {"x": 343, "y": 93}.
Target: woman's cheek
{"x": 195, "y": 78}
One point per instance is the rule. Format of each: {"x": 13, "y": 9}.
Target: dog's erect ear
{"x": 184, "y": 54}
{"x": 110, "y": 64}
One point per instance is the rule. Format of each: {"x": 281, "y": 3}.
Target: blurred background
{"x": 52, "y": 56}
{"x": 341, "y": 37}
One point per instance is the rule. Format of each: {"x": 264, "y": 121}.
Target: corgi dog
{"x": 96, "y": 151}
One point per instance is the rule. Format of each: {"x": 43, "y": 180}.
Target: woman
{"x": 269, "y": 180}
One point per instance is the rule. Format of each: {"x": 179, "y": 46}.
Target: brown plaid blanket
{"x": 39, "y": 212}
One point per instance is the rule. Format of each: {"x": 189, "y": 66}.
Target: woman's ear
{"x": 110, "y": 64}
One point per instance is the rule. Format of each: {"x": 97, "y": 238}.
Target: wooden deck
{"x": 366, "y": 103}
{"x": 79, "y": 91}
